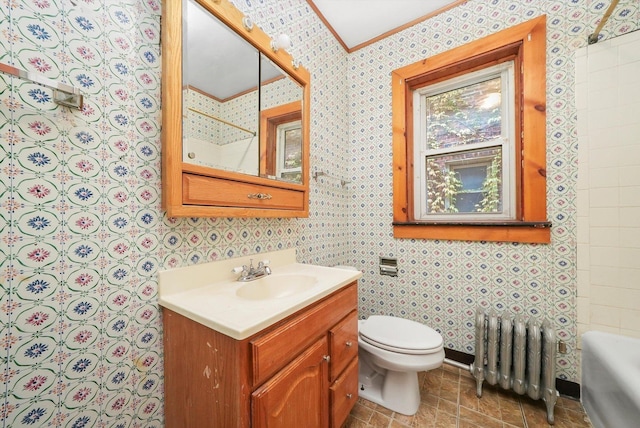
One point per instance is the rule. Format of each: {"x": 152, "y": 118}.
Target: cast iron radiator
{"x": 516, "y": 354}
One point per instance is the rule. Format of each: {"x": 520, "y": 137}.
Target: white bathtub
{"x": 611, "y": 379}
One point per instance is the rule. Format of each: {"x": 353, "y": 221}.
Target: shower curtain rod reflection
{"x": 593, "y": 38}
{"x": 222, "y": 120}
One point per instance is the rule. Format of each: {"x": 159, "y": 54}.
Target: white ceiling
{"x": 358, "y": 21}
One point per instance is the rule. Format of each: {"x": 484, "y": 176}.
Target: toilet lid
{"x": 399, "y": 334}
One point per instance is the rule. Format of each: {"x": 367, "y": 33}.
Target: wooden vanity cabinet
{"x": 299, "y": 372}
{"x": 296, "y": 395}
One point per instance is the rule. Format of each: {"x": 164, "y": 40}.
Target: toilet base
{"x": 397, "y": 391}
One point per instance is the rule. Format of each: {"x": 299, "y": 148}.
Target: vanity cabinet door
{"x": 344, "y": 394}
{"x": 343, "y": 343}
{"x": 297, "y": 396}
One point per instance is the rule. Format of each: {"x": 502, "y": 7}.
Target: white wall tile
{"x": 605, "y": 275}
{"x": 630, "y": 41}
{"x": 630, "y": 333}
{"x": 629, "y": 278}
{"x": 604, "y": 78}
{"x": 629, "y": 196}
{"x": 601, "y": 56}
{"x": 629, "y": 216}
{"x": 583, "y": 177}
{"x": 626, "y": 114}
{"x": 584, "y": 283}
{"x": 600, "y": 135}
{"x": 583, "y": 259}
{"x": 605, "y": 236}
{"x": 603, "y": 177}
{"x": 630, "y": 319}
{"x": 628, "y": 136}
{"x": 604, "y": 256}
{"x": 607, "y": 296}
{"x": 628, "y": 53}
{"x": 583, "y": 229}
{"x": 582, "y": 96}
{"x": 605, "y": 328}
{"x": 630, "y": 237}
{"x": 628, "y": 73}
{"x": 583, "y": 310}
{"x": 581, "y": 67}
{"x": 605, "y": 315}
{"x": 582, "y": 328}
{"x": 604, "y": 197}
{"x": 629, "y": 257}
{"x": 629, "y": 94}
{"x": 629, "y": 175}
{"x": 600, "y": 119}
{"x": 603, "y": 98}
{"x": 606, "y": 156}
{"x": 604, "y": 217}
{"x": 582, "y": 120}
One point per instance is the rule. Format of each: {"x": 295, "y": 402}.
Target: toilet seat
{"x": 400, "y": 335}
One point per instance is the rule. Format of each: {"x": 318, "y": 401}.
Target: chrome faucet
{"x": 249, "y": 273}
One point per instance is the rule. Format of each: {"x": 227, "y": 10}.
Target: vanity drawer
{"x": 200, "y": 190}
{"x": 344, "y": 394}
{"x": 274, "y": 350}
{"x": 343, "y": 343}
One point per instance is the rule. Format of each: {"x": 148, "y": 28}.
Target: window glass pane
{"x": 466, "y": 115}
{"x": 465, "y": 182}
{"x": 292, "y": 148}
{"x": 289, "y": 166}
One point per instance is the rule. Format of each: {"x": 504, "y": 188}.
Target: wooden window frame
{"x": 525, "y": 44}
{"x": 270, "y": 119}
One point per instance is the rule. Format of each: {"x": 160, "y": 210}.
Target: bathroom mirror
{"x": 235, "y": 117}
{"x": 220, "y": 80}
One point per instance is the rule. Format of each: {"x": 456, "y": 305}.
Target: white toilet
{"x": 391, "y": 352}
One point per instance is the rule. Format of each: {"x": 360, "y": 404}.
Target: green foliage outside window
{"x": 459, "y": 117}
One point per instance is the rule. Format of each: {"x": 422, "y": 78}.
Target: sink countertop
{"x": 206, "y": 293}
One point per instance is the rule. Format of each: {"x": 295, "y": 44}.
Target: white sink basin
{"x": 276, "y": 286}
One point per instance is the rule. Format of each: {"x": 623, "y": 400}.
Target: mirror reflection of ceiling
{"x": 217, "y": 60}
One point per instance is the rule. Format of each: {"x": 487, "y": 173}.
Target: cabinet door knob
{"x": 327, "y": 358}
{"x": 349, "y": 396}
{"x": 348, "y": 343}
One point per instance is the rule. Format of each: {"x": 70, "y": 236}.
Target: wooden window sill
{"x": 524, "y": 232}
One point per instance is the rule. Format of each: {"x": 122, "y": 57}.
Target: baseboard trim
{"x": 566, "y": 388}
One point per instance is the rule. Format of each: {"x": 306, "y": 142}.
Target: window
{"x": 289, "y": 152}
{"x": 469, "y": 141}
{"x": 281, "y": 142}
{"x": 464, "y": 146}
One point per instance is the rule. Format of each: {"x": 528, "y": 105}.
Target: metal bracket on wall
{"x": 63, "y": 94}
{"x": 320, "y": 173}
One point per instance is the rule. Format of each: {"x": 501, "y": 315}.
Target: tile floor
{"x": 449, "y": 401}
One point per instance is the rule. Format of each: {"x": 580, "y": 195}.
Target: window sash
{"x": 422, "y": 153}
{"x": 281, "y": 134}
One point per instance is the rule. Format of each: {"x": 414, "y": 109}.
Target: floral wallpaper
{"x": 83, "y": 234}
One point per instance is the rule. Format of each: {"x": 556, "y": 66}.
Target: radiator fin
{"x": 517, "y": 354}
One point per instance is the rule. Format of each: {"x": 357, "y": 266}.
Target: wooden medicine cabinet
{"x": 235, "y": 117}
